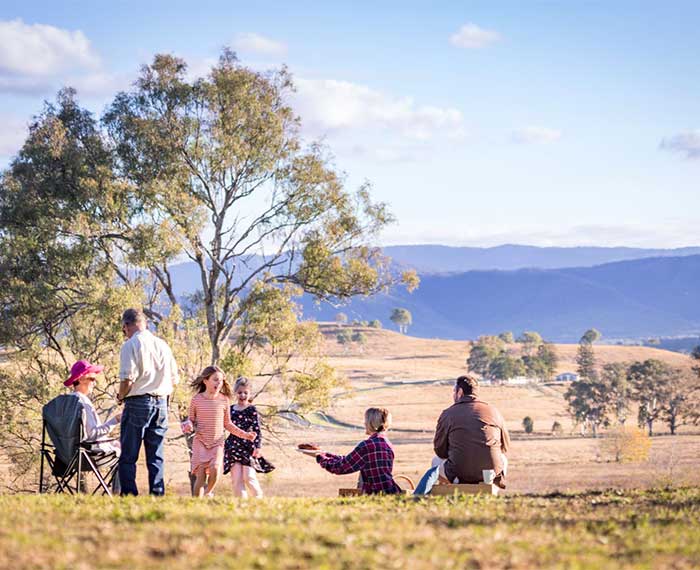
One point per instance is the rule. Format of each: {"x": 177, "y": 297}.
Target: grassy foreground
{"x": 630, "y": 529}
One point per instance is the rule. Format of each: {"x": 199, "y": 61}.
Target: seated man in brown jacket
{"x": 470, "y": 437}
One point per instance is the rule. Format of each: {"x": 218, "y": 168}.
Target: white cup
{"x": 488, "y": 475}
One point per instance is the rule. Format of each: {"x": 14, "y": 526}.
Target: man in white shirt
{"x": 148, "y": 372}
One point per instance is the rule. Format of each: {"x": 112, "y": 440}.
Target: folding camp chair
{"x": 69, "y": 457}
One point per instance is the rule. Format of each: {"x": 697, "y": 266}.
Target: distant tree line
{"x": 342, "y": 320}
{"x": 602, "y": 396}
{"x": 494, "y": 357}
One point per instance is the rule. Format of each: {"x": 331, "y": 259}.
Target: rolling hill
{"x": 388, "y": 354}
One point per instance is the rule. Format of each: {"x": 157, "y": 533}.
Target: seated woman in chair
{"x": 82, "y": 379}
{"x": 373, "y": 457}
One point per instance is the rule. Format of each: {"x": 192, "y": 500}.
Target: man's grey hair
{"x": 133, "y": 317}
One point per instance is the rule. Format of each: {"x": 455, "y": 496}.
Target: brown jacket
{"x": 472, "y": 436}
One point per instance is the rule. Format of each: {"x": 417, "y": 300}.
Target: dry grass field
{"x": 412, "y": 377}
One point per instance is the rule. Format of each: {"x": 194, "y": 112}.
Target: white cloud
{"x": 255, "y": 43}
{"x": 687, "y": 143}
{"x": 42, "y": 50}
{"x": 327, "y": 105}
{"x": 533, "y": 135}
{"x": 471, "y": 36}
{"x": 381, "y": 154}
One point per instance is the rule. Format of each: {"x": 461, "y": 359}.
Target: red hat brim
{"x": 92, "y": 369}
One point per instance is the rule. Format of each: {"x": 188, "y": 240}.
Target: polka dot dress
{"x": 237, "y": 450}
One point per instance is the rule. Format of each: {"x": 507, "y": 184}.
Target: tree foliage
{"x": 344, "y": 337}
{"x": 663, "y": 392}
{"x": 483, "y": 352}
{"x": 359, "y": 337}
{"x": 505, "y": 367}
{"x": 222, "y": 174}
{"x": 402, "y": 318}
{"x": 283, "y": 351}
{"x": 590, "y": 336}
{"x": 544, "y": 363}
{"x": 588, "y": 403}
{"x": 586, "y": 363}
{"x": 507, "y": 337}
{"x": 613, "y": 378}
{"x": 490, "y": 356}
{"x": 530, "y": 341}
{"x": 93, "y": 215}
{"x": 600, "y": 401}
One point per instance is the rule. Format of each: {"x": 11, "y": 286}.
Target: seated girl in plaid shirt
{"x": 373, "y": 457}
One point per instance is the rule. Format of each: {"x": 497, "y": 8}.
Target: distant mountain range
{"x": 559, "y": 292}
{"x": 446, "y": 259}
{"x": 630, "y": 299}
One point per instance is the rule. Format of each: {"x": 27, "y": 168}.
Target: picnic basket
{"x": 356, "y": 492}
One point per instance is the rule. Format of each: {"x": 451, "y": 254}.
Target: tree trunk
{"x": 215, "y": 352}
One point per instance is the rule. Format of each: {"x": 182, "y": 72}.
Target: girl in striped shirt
{"x": 210, "y": 420}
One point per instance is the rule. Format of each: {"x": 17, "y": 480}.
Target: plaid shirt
{"x": 373, "y": 458}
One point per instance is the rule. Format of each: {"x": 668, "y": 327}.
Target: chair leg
{"x": 80, "y": 470}
{"x": 100, "y": 480}
{"x": 65, "y": 480}
{"x": 111, "y": 474}
{"x": 44, "y": 458}
{"x": 43, "y": 452}
{"x": 46, "y": 487}
{"x": 51, "y": 464}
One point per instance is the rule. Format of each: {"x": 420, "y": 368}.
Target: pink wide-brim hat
{"x": 80, "y": 369}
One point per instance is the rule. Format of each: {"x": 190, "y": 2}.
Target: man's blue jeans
{"x": 145, "y": 418}
{"x": 428, "y": 481}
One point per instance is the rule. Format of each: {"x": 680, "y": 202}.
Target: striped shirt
{"x": 211, "y": 419}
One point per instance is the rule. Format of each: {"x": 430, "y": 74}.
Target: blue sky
{"x": 481, "y": 123}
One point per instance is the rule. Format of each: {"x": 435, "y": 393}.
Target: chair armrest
{"x": 97, "y": 441}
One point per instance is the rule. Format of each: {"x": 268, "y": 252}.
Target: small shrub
{"x": 344, "y": 337}
{"x": 375, "y": 324}
{"x": 626, "y": 443}
{"x": 528, "y": 424}
{"x": 557, "y": 429}
{"x": 359, "y": 337}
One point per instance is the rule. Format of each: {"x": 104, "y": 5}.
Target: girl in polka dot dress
{"x": 238, "y": 451}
